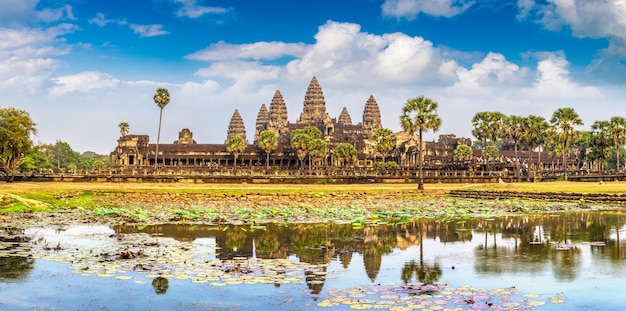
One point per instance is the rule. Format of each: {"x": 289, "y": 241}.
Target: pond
{"x": 573, "y": 260}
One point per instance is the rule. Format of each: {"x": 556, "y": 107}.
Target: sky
{"x": 80, "y": 67}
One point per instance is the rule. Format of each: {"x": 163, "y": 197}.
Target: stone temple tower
{"x": 314, "y": 109}
{"x": 236, "y": 127}
{"x": 344, "y": 117}
{"x": 262, "y": 121}
{"x": 371, "y": 115}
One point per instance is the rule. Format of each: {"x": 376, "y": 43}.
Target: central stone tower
{"x": 314, "y": 109}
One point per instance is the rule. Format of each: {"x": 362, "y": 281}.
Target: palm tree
{"x": 317, "y": 148}
{"x": 345, "y": 152}
{"x": 618, "y": 134}
{"x": 463, "y": 152}
{"x": 601, "y": 142}
{"x": 124, "y": 127}
{"x": 564, "y": 120}
{"x": 236, "y": 145}
{"x": 419, "y": 114}
{"x": 488, "y": 125}
{"x": 161, "y": 98}
{"x": 514, "y": 130}
{"x": 268, "y": 141}
{"x": 385, "y": 141}
{"x": 535, "y": 135}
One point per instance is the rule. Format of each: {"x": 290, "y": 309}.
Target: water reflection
{"x": 505, "y": 244}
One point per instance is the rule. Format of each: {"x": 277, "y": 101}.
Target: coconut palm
{"x": 618, "y": 135}
{"x": 419, "y": 115}
{"x": 385, "y": 141}
{"x": 161, "y": 98}
{"x": 236, "y": 145}
{"x": 563, "y": 120}
{"x": 268, "y": 141}
{"x": 124, "y": 127}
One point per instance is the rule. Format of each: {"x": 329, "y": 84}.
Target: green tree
{"x": 419, "y": 115}
{"x": 535, "y": 133}
{"x": 317, "y": 148}
{"x": 601, "y": 142}
{"x": 300, "y": 139}
{"x": 488, "y": 125}
{"x": 463, "y": 152}
{"x": 345, "y": 153}
{"x": 618, "y": 135}
{"x": 268, "y": 142}
{"x": 124, "y": 127}
{"x": 491, "y": 153}
{"x": 563, "y": 120}
{"x": 16, "y": 128}
{"x": 385, "y": 141}
{"x": 161, "y": 98}
{"x": 236, "y": 145}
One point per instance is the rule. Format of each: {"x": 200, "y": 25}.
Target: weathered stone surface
{"x": 236, "y": 127}
{"x": 185, "y": 137}
{"x": 314, "y": 104}
{"x": 262, "y": 121}
{"x": 371, "y": 115}
{"x": 344, "y": 117}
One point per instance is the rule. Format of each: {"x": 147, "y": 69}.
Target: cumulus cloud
{"x": 346, "y": 55}
{"x": 82, "y": 82}
{"x": 27, "y": 56}
{"x": 191, "y": 9}
{"x": 25, "y": 11}
{"x": 410, "y": 9}
{"x": 258, "y": 50}
{"x": 149, "y": 30}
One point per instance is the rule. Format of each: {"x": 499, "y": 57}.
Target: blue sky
{"x": 82, "y": 66}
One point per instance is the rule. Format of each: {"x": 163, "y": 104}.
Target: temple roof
{"x": 314, "y": 104}
{"x": 344, "y": 117}
{"x": 371, "y": 115}
{"x": 236, "y": 126}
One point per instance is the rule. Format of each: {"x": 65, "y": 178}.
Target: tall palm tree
{"x": 345, "y": 153}
{"x": 536, "y": 130}
{"x": 514, "y": 130}
{"x": 268, "y": 141}
{"x": 317, "y": 148}
{"x": 236, "y": 145}
{"x": 601, "y": 142}
{"x": 124, "y": 126}
{"x": 488, "y": 125}
{"x": 618, "y": 134}
{"x": 385, "y": 141}
{"x": 161, "y": 98}
{"x": 419, "y": 115}
{"x": 298, "y": 140}
{"x": 564, "y": 120}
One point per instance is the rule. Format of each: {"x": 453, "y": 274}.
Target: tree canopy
{"x": 16, "y": 129}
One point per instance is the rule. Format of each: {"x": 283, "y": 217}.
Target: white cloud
{"x": 27, "y": 57}
{"x": 412, "y": 8}
{"x": 25, "y": 11}
{"x": 100, "y": 20}
{"x": 148, "y": 30}
{"x": 258, "y": 50}
{"x": 191, "y": 9}
{"x": 585, "y": 18}
{"x": 344, "y": 54}
{"x": 82, "y": 82}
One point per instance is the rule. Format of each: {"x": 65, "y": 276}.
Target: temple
{"x": 135, "y": 151}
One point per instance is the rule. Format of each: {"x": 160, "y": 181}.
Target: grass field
{"x": 576, "y": 187}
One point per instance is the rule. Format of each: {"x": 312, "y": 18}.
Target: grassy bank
{"x": 243, "y": 203}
